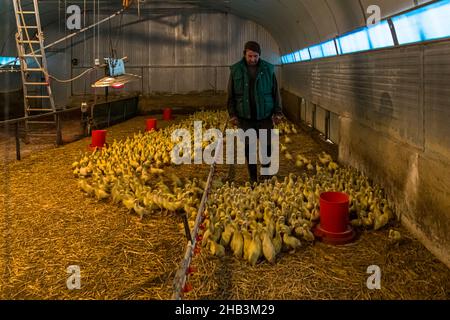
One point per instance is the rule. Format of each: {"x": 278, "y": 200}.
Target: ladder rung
{"x": 29, "y": 41}
{"x": 41, "y": 122}
{"x": 34, "y": 69}
{"x": 31, "y": 56}
{"x": 41, "y": 110}
{"x": 28, "y": 27}
{"x": 37, "y": 97}
{"x": 36, "y": 83}
{"x": 27, "y": 12}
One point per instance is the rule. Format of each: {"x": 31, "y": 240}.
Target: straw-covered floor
{"x": 47, "y": 224}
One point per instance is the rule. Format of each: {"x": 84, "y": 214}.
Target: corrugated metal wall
{"x": 437, "y": 98}
{"x": 391, "y": 110}
{"x": 176, "y": 54}
{"x": 381, "y": 89}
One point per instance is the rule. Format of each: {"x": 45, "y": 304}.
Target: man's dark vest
{"x": 263, "y": 89}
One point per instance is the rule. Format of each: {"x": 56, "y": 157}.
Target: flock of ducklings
{"x": 274, "y": 216}
{"x": 132, "y": 172}
{"x": 253, "y": 221}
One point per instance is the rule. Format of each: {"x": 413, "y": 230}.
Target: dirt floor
{"x": 47, "y": 224}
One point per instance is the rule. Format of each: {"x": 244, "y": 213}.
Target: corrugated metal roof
{"x": 293, "y": 23}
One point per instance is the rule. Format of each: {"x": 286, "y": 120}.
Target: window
{"x": 380, "y": 35}
{"x": 316, "y": 52}
{"x": 329, "y": 49}
{"x": 5, "y": 60}
{"x": 354, "y": 42}
{"x": 288, "y": 58}
{"x": 304, "y": 54}
{"x": 285, "y": 58}
{"x": 291, "y": 58}
{"x": 427, "y": 23}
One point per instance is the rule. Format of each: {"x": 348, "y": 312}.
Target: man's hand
{"x": 277, "y": 118}
{"x": 234, "y": 121}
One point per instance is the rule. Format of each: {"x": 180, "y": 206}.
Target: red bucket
{"x": 334, "y": 215}
{"x": 98, "y": 138}
{"x": 167, "y": 114}
{"x": 150, "y": 124}
{"x": 334, "y": 225}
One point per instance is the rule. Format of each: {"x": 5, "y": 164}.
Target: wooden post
{"x": 17, "y": 141}
{"x": 58, "y": 130}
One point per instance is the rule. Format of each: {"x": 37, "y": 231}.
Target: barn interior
{"x": 366, "y": 112}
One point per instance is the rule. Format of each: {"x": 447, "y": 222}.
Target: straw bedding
{"x": 48, "y": 224}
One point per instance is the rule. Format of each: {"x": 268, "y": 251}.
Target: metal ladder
{"x": 37, "y": 92}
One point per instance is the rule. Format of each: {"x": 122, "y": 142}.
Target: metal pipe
{"x": 180, "y": 277}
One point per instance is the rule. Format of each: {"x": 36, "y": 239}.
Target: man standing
{"x": 253, "y": 98}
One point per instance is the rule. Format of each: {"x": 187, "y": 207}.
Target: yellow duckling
{"x": 333, "y": 166}
{"x": 86, "y": 187}
{"x": 128, "y": 201}
{"x": 116, "y": 194}
{"x": 299, "y": 163}
{"x": 85, "y": 171}
{"x": 308, "y": 235}
{"x": 287, "y": 140}
{"x": 288, "y": 156}
{"x": 291, "y": 242}
{"x": 100, "y": 193}
{"x": 247, "y": 241}
{"x": 367, "y": 221}
{"x": 395, "y": 236}
{"x": 288, "y": 240}
{"x": 324, "y": 160}
{"x": 216, "y": 249}
{"x": 277, "y": 242}
{"x": 237, "y": 244}
{"x": 388, "y": 211}
{"x": 268, "y": 248}
{"x": 227, "y": 234}
{"x": 254, "y": 249}
{"x": 141, "y": 211}
{"x": 380, "y": 221}
{"x": 356, "y": 223}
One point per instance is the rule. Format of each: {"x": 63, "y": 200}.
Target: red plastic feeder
{"x": 98, "y": 139}
{"x": 150, "y": 124}
{"x": 334, "y": 227}
{"x": 167, "y": 114}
